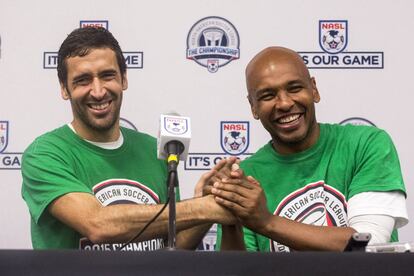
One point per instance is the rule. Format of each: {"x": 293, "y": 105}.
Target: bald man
{"x": 312, "y": 185}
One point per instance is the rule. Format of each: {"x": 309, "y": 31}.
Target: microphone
{"x": 173, "y": 137}
{"x": 173, "y": 142}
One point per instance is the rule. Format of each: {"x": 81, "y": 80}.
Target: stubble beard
{"x": 98, "y": 124}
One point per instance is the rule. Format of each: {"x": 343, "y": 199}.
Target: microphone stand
{"x": 172, "y": 183}
{"x": 174, "y": 149}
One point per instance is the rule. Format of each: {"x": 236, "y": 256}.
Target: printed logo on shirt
{"x": 124, "y": 191}
{"x": 316, "y": 204}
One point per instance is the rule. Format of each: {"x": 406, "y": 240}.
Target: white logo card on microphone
{"x": 173, "y": 128}
{"x": 176, "y": 125}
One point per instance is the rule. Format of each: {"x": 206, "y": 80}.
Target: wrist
{"x": 267, "y": 225}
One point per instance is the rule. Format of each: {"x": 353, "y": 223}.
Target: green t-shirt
{"x": 60, "y": 162}
{"x": 314, "y": 186}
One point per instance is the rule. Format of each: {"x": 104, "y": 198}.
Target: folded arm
{"x": 247, "y": 201}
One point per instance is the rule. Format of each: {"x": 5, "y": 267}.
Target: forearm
{"x": 300, "y": 236}
{"x": 232, "y": 237}
{"x": 122, "y": 222}
{"x": 190, "y": 238}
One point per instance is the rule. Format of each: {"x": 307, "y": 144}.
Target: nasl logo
{"x": 9, "y": 160}
{"x": 234, "y": 137}
{"x": 234, "y": 141}
{"x": 333, "y": 40}
{"x": 4, "y": 135}
{"x": 94, "y": 23}
{"x": 358, "y": 121}
{"x": 175, "y": 126}
{"x": 213, "y": 42}
{"x": 333, "y": 35}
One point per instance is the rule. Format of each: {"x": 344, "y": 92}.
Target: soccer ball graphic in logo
{"x": 333, "y": 35}
{"x": 234, "y": 142}
{"x": 212, "y": 65}
{"x": 333, "y": 40}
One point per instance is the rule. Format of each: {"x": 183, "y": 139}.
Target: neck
{"x": 96, "y": 135}
{"x": 296, "y": 147}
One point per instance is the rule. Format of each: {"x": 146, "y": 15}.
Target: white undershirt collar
{"x": 105, "y": 145}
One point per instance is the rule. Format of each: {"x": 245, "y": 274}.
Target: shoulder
{"x": 137, "y": 136}
{"x": 55, "y": 139}
{"x": 350, "y": 129}
{"x": 355, "y": 133}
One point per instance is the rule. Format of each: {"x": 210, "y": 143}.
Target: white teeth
{"x": 288, "y": 119}
{"x": 99, "y": 106}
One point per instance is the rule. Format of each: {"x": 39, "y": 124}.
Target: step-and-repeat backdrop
{"x": 189, "y": 57}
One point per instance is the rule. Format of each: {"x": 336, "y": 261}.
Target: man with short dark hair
{"x": 92, "y": 184}
{"x": 313, "y": 185}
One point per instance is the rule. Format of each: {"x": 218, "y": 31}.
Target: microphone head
{"x": 173, "y": 128}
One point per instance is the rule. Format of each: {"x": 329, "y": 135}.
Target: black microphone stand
{"x": 174, "y": 149}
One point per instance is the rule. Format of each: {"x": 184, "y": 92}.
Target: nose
{"x": 284, "y": 101}
{"x": 97, "y": 90}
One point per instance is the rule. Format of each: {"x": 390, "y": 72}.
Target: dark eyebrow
{"x": 294, "y": 82}
{"x": 275, "y": 89}
{"x": 263, "y": 90}
{"x": 80, "y": 77}
{"x": 109, "y": 71}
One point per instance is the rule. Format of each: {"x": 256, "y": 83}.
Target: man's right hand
{"x": 220, "y": 171}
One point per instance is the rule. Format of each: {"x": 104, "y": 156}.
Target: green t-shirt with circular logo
{"x": 60, "y": 162}
{"x": 314, "y": 186}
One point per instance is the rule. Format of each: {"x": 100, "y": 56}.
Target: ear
{"x": 253, "y": 109}
{"x": 125, "y": 82}
{"x": 315, "y": 91}
{"x": 64, "y": 92}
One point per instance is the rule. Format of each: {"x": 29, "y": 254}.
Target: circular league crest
{"x": 315, "y": 204}
{"x": 358, "y": 121}
{"x": 213, "y": 42}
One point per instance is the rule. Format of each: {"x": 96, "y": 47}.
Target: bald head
{"x": 270, "y": 59}
{"x": 282, "y": 95}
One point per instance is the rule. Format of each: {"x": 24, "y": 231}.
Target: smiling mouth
{"x": 288, "y": 119}
{"x": 99, "y": 106}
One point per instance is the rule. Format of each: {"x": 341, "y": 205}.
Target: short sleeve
{"x": 377, "y": 165}
{"x": 46, "y": 176}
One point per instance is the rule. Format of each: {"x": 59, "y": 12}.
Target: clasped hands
{"x": 241, "y": 195}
